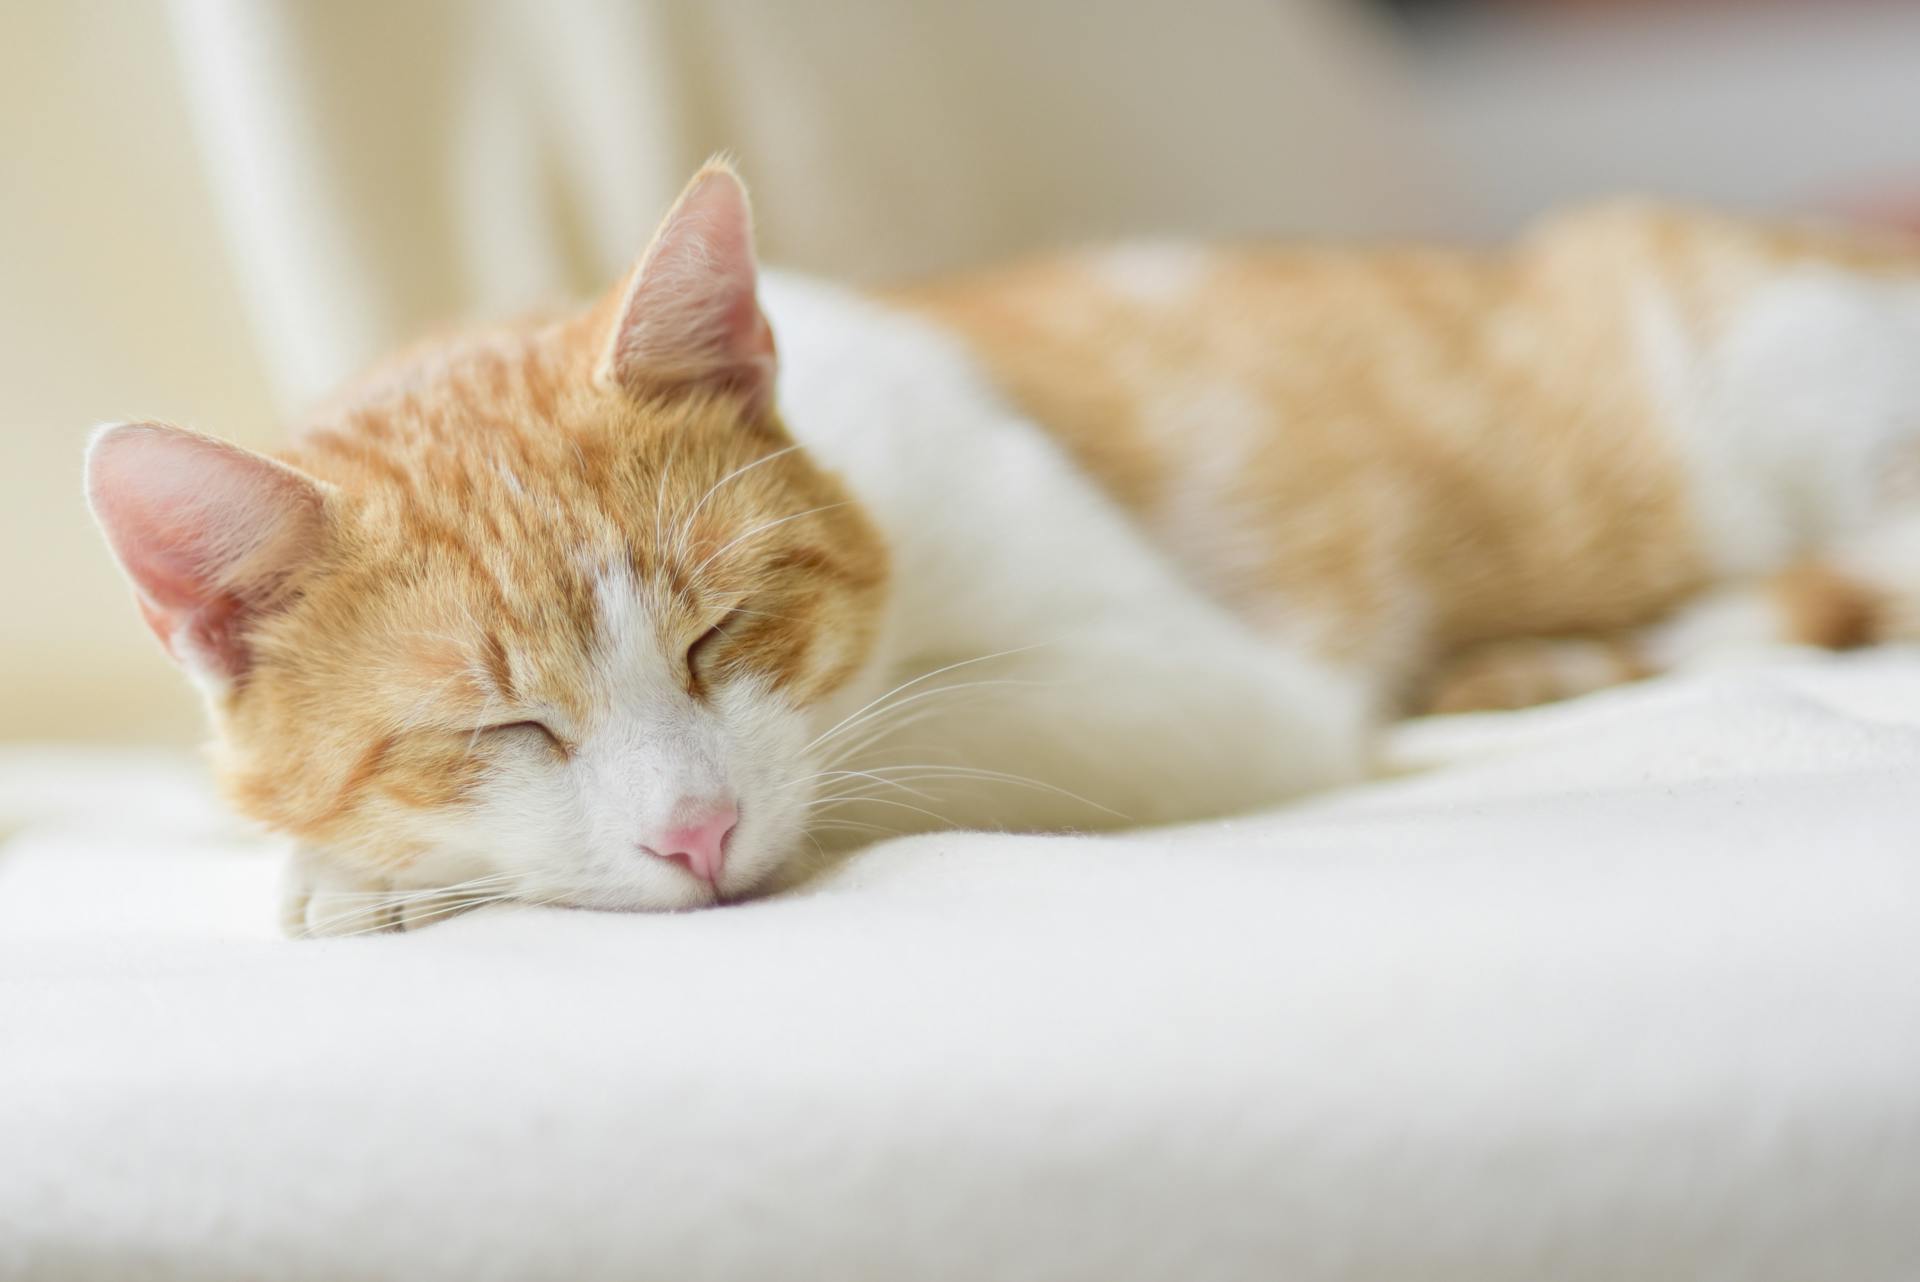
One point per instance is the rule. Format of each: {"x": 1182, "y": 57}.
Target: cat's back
{"x": 1464, "y": 443}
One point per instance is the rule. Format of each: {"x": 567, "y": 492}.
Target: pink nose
{"x": 698, "y": 842}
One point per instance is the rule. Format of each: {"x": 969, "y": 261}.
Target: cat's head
{"x": 562, "y": 606}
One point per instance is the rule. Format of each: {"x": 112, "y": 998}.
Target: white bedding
{"x": 1630, "y": 990}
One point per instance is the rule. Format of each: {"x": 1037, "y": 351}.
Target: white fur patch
{"x": 1118, "y": 680}
{"x": 1150, "y": 272}
{"x": 1726, "y": 625}
{"x": 1789, "y": 421}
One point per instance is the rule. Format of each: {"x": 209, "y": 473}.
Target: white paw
{"x": 320, "y": 898}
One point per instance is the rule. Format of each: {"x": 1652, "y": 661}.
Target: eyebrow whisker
{"x": 734, "y": 542}
{"x": 685, "y": 523}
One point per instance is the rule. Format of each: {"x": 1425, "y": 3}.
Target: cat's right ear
{"x": 687, "y": 315}
{"x": 206, "y": 531}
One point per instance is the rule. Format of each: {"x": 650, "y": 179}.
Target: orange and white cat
{"x": 622, "y": 610}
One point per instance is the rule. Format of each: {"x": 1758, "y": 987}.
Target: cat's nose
{"x": 697, "y": 841}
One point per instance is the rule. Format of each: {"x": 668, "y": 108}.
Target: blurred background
{"x": 213, "y": 210}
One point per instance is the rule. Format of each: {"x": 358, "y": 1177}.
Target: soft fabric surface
{"x": 1629, "y": 989}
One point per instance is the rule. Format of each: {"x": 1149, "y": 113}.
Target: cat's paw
{"x": 1503, "y": 675}
{"x": 319, "y": 898}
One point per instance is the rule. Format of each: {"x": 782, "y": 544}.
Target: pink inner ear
{"x": 203, "y": 529}
{"x": 690, "y": 315}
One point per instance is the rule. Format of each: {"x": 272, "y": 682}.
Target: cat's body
{"x": 1135, "y": 536}
{"x": 1395, "y": 457}
{"x": 1018, "y": 573}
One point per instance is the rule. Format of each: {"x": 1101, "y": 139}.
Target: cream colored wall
{"x": 115, "y": 301}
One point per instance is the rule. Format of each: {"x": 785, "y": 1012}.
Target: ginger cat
{"x": 623, "y": 610}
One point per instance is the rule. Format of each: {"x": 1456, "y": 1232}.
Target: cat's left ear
{"x": 687, "y": 315}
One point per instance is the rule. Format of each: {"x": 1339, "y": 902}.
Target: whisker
{"x": 379, "y": 903}
{"x": 445, "y": 910}
{"x": 485, "y": 718}
{"x": 852, "y": 825}
{"x": 876, "y": 777}
{"x": 388, "y": 914}
{"x": 893, "y": 720}
{"x": 460, "y": 887}
{"x": 432, "y": 692}
{"x": 909, "y": 684}
{"x": 979, "y": 774}
{"x": 459, "y": 904}
{"x": 824, "y": 803}
{"x": 734, "y": 542}
{"x": 990, "y": 682}
{"x": 762, "y": 614}
{"x": 686, "y": 522}
{"x": 660, "y": 492}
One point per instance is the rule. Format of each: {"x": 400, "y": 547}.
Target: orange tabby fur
{"x": 1430, "y": 451}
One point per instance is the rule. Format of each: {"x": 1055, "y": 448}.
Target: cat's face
{"x": 562, "y": 608}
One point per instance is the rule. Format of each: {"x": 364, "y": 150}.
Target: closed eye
{"x": 705, "y": 642}
{"x": 539, "y": 728}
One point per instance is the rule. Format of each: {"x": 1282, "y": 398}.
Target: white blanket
{"x": 1629, "y": 990}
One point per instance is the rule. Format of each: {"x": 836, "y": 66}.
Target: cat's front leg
{"x": 321, "y": 897}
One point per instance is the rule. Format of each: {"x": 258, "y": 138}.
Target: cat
{"x": 636, "y": 609}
